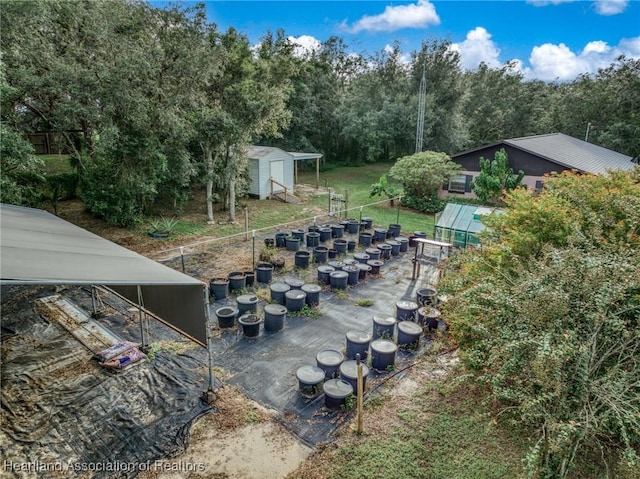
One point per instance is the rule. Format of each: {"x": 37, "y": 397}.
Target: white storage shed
{"x": 271, "y": 171}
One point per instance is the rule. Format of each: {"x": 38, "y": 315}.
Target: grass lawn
{"x": 354, "y": 182}
{"x": 55, "y": 164}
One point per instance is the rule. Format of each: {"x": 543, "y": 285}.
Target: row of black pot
{"x": 273, "y": 317}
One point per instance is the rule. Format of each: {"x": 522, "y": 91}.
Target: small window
{"x": 539, "y": 186}
{"x": 460, "y": 183}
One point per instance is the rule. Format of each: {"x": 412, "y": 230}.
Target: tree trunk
{"x": 232, "y": 198}
{"x": 209, "y": 185}
{"x": 232, "y": 187}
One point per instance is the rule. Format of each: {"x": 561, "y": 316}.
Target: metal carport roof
{"x": 37, "y": 247}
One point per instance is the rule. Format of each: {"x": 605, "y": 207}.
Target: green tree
{"x": 547, "y": 318}
{"x": 422, "y": 175}
{"x": 495, "y": 178}
{"x": 20, "y": 170}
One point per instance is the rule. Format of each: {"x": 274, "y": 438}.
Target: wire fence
{"x": 250, "y": 234}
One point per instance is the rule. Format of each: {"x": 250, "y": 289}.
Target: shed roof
{"x": 260, "y": 152}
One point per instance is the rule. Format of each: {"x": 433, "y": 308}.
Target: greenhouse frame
{"x": 459, "y": 224}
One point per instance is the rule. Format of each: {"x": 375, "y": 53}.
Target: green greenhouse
{"x": 460, "y": 224}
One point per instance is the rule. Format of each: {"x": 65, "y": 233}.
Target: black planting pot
{"x": 374, "y": 253}
{"x": 313, "y": 229}
{"x": 357, "y": 343}
{"x": 237, "y": 280}
{"x": 393, "y": 230}
{"x": 395, "y": 247}
{"x": 409, "y": 334}
{"x": 301, "y": 259}
{"x": 426, "y": 297}
{"x": 337, "y": 231}
{"x": 354, "y": 274}
{"x": 313, "y": 239}
{"x": 329, "y": 361}
{"x": 375, "y": 265}
{"x": 251, "y": 277}
{"x": 361, "y": 257}
{"x": 364, "y": 269}
{"x": 313, "y": 294}
{"x": 385, "y": 250}
{"x": 325, "y": 234}
{"x": 219, "y": 288}
{"x": 324, "y": 273}
{"x": 429, "y": 317}
{"x": 404, "y": 243}
{"x": 281, "y": 239}
{"x": 420, "y": 234}
{"x": 383, "y": 354}
{"x": 320, "y": 254}
{"x": 295, "y": 299}
{"x": 226, "y": 316}
{"x": 352, "y": 227}
{"x": 365, "y": 239}
{"x": 383, "y": 327}
{"x": 247, "y": 303}
{"x": 277, "y": 292}
{"x": 250, "y": 324}
{"x": 310, "y": 379}
{"x": 298, "y": 234}
{"x": 340, "y": 246}
{"x": 351, "y": 246}
{"x": 339, "y": 279}
{"x": 292, "y": 243}
{"x": 379, "y": 234}
{"x": 268, "y": 242}
{"x": 412, "y": 241}
{"x": 349, "y": 373}
{"x": 368, "y": 222}
{"x": 406, "y": 310}
{"x": 264, "y": 272}
{"x": 274, "y": 316}
{"x": 294, "y": 283}
{"x": 332, "y": 253}
{"x": 336, "y": 392}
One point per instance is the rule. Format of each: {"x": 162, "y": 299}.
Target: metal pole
{"x": 182, "y": 257}
{"x": 398, "y": 213}
{"x": 246, "y": 223}
{"x": 329, "y": 211}
{"x": 254, "y": 250}
{"x": 143, "y": 336}
{"x": 210, "y": 395}
{"x": 360, "y": 221}
{"x": 359, "y": 392}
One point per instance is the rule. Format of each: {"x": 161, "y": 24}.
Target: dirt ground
{"x": 243, "y": 439}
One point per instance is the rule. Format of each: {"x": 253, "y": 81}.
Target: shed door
{"x": 277, "y": 173}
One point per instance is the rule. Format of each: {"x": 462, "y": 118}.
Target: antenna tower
{"x": 421, "y": 103}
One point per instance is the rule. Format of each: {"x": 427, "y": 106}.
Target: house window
{"x": 460, "y": 184}
{"x": 539, "y": 186}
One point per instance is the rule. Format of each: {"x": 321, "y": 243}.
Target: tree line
{"x": 151, "y": 101}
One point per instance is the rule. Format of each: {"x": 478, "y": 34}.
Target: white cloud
{"x": 415, "y": 15}
{"x": 305, "y": 45}
{"x": 556, "y": 62}
{"x": 550, "y": 62}
{"x": 477, "y": 48}
{"x": 610, "y": 7}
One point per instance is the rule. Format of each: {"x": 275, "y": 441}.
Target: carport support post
{"x": 143, "y": 332}
{"x": 211, "y": 394}
{"x": 359, "y": 392}
{"x": 398, "y": 213}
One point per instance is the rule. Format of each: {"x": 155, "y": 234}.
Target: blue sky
{"x": 549, "y": 39}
